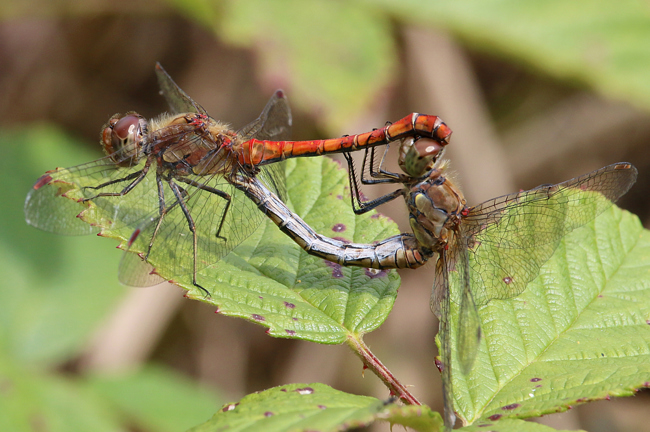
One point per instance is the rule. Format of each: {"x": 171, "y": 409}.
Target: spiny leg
{"x": 382, "y": 175}
{"x": 180, "y": 199}
{"x": 119, "y": 180}
{"x": 138, "y": 176}
{"x": 162, "y": 211}
{"x": 359, "y": 206}
{"x": 217, "y": 192}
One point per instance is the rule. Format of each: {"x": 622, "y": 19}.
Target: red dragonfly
{"x": 166, "y": 184}
{"x": 492, "y": 250}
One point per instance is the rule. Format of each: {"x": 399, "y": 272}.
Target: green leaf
{"x": 332, "y": 57}
{"x": 58, "y": 289}
{"x": 509, "y": 425}
{"x": 34, "y": 401}
{"x": 578, "y": 333}
{"x": 269, "y": 280}
{"x": 599, "y": 43}
{"x": 156, "y": 398}
{"x": 338, "y": 55}
{"x": 302, "y": 407}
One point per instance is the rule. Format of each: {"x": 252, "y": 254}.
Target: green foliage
{"x": 302, "y": 407}
{"x": 578, "y": 333}
{"x": 33, "y": 400}
{"x": 295, "y": 292}
{"x": 269, "y": 280}
{"x": 600, "y": 43}
{"x": 564, "y": 332}
{"x": 155, "y": 398}
{"x": 52, "y": 304}
{"x": 56, "y": 291}
{"x": 564, "y": 339}
{"x": 336, "y": 56}
{"x": 510, "y": 425}
{"x": 332, "y": 56}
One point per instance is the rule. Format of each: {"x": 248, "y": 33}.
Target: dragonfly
{"x": 492, "y": 250}
{"x": 166, "y": 184}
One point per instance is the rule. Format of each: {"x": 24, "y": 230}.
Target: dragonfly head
{"x": 122, "y": 138}
{"x": 417, "y": 156}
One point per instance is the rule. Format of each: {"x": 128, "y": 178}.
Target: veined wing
{"x": 441, "y": 305}
{"x": 452, "y": 272}
{"x": 273, "y": 124}
{"x": 179, "y": 102}
{"x": 46, "y": 207}
{"x": 166, "y": 241}
{"x": 453, "y": 282}
{"x": 511, "y": 237}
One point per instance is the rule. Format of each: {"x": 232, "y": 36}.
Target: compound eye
{"x": 428, "y": 148}
{"x": 127, "y": 129}
{"x": 122, "y": 138}
{"x": 421, "y": 156}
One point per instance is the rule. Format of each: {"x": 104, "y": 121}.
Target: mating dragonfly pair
{"x": 199, "y": 188}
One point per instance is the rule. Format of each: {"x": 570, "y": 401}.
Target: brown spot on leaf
{"x": 336, "y": 269}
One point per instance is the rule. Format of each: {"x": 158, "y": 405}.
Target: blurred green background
{"x": 536, "y": 92}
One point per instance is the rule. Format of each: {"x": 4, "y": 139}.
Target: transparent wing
{"x": 511, "y": 237}
{"x": 178, "y": 101}
{"x": 167, "y": 243}
{"x": 441, "y": 305}
{"x": 53, "y": 204}
{"x": 274, "y": 123}
{"x": 454, "y": 283}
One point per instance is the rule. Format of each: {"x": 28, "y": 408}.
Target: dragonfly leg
{"x": 162, "y": 211}
{"x": 358, "y": 205}
{"x": 218, "y": 192}
{"x": 138, "y": 176}
{"x": 179, "y": 193}
{"x": 380, "y": 175}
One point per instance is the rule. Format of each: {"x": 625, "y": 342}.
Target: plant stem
{"x": 371, "y": 362}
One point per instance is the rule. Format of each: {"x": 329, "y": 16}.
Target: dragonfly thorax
{"x": 435, "y": 207}
{"x": 122, "y": 138}
{"x": 190, "y": 143}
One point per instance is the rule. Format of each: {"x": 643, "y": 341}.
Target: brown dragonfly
{"x": 166, "y": 184}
